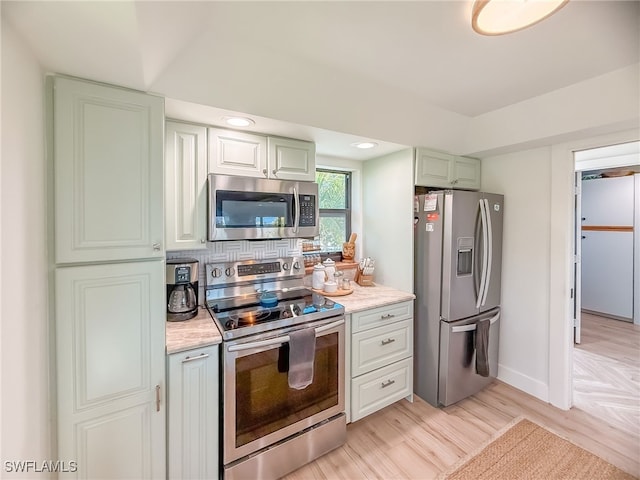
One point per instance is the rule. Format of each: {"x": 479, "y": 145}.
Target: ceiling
{"x": 317, "y": 70}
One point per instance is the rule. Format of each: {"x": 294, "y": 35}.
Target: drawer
{"x": 375, "y": 390}
{"x": 376, "y": 317}
{"x": 381, "y": 346}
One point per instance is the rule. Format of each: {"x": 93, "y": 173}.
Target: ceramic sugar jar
{"x": 330, "y": 268}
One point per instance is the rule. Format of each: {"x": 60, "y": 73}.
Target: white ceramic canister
{"x": 319, "y": 276}
{"x": 330, "y": 268}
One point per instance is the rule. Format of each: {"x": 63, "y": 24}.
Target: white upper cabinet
{"x": 253, "y": 155}
{"x": 108, "y": 172}
{"x": 436, "y": 169}
{"x": 186, "y": 186}
{"x": 292, "y": 159}
{"x": 466, "y": 173}
{"x": 237, "y": 153}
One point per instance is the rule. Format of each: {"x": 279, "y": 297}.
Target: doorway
{"x": 605, "y": 352}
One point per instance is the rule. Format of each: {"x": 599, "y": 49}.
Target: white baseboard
{"x": 523, "y": 382}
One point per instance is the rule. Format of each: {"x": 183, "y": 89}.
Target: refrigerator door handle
{"x": 485, "y": 254}
{"x": 489, "y": 250}
{"x": 472, "y": 326}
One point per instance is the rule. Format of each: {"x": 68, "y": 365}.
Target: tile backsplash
{"x": 219, "y": 252}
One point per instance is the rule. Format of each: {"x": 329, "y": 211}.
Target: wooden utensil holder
{"x": 363, "y": 280}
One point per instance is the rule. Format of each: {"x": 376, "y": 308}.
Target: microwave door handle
{"x": 296, "y": 203}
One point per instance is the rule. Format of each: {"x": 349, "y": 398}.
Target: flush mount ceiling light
{"x": 238, "y": 121}
{"x": 364, "y": 144}
{"x": 497, "y": 17}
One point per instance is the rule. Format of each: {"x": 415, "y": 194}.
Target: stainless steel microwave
{"x": 247, "y": 208}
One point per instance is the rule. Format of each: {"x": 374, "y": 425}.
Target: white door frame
{"x": 577, "y": 259}
{"x": 561, "y": 253}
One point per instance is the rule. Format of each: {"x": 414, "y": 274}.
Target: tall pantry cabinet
{"x": 107, "y": 232}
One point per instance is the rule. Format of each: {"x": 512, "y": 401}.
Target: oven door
{"x": 259, "y": 407}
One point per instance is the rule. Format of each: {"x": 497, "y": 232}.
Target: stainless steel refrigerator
{"x": 458, "y": 259}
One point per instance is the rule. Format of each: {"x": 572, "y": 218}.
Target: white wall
{"x": 524, "y": 178}
{"x": 25, "y": 412}
{"x": 388, "y": 218}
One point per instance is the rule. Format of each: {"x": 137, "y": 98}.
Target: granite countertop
{"x": 201, "y": 331}
{"x": 364, "y": 298}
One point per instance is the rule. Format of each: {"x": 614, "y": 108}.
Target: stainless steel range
{"x": 272, "y": 425}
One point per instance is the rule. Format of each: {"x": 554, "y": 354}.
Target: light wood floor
{"x": 417, "y": 441}
{"x": 606, "y": 373}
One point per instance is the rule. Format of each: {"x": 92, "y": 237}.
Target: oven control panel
{"x": 230, "y": 273}
{"x": 259, "y": 268}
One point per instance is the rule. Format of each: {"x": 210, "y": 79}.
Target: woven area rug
{"x": 526, "y": 450}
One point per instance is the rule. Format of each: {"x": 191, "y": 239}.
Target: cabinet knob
{"x": 202, "y": 240}
{"x": 274, "y": 172}
{"x": 156, "y": 247}
{"x": 265, "y": 172}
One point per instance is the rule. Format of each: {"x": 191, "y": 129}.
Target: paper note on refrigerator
{"x": 430, "y": 203}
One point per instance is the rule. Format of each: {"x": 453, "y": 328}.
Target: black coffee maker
{"x": 182, "y": 289}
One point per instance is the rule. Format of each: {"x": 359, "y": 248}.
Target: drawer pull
{"x": 389, "y": 315}
{"x": 387, "y": 383}
{"x": 388, "y": 341}
{"x": 199, "y": 357}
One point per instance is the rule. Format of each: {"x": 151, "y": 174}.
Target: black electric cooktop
{"x": 243, "y": 316}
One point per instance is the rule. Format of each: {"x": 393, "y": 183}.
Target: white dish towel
{"x": 302, "y": 351}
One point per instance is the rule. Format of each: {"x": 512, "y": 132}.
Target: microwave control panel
{"x": 307, "y": 210}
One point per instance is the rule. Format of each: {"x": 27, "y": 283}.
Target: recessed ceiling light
{"x": 364, "y": 144}
{"x": 238, "y": 121}
{"x": 496, "y": 17}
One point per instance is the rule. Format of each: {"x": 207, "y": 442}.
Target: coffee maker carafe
{"x": 182, "y": 289}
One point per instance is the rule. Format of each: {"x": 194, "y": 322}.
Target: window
{"x": 335, "y": 208}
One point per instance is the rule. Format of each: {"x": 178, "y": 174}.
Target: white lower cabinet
{"x": 110, "y": 338}
{"x": 193, "y": 401}
{"x": 381, "y": 366}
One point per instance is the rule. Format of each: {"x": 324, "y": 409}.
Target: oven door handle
{"x": 280, "y": 340}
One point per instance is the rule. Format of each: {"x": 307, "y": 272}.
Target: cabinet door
{"x": 433, "y": 169}
{"x": 110, "y": 324}
{"x": 608, "y": 202}
{"x": 193, "y": 414}
{"x": 607, "y": 273}
{"x": 292, "y": 159}
{"x": 380, "y": 316}
{"x": 466, "y": 173}
{"x": 381, "y": 346}
{"x": 186, "y": 186}
{"x": 237, "y": 153}
{"x": 382, "y": 387}
{"x": 108, "y": 173}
